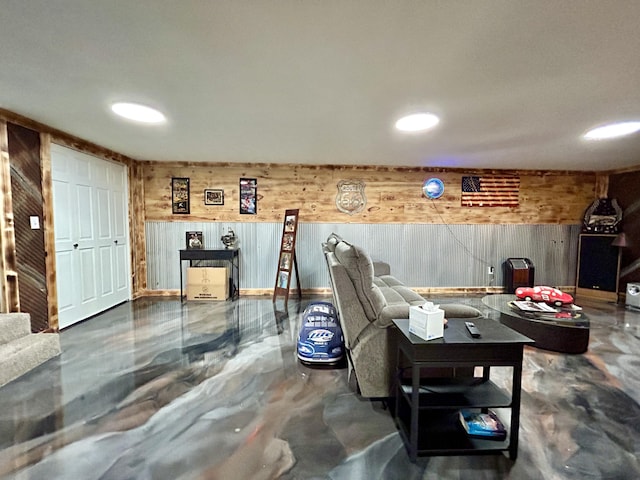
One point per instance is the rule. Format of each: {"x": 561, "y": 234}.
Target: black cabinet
{"x": 598, "y": 267}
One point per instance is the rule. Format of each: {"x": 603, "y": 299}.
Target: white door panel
{"x": 120, "y": 217}
{"x": 82, "y": 168}
{"x": 121, "y": 277}
{"x": 100, "y": 174}
{"x": 104, "y": 214}
{"x": 120, "y": 232}
{"x": 87, "y": 275}
{"x": 64, "y": 163}
{"x": 66, "y": 289}
{"x": 62, "y": 196}
{"x": 91, "y": 231}
{"x": 105, "y": 271}
{"x": 85, "y": 212}
{"x": 118, "y": 179}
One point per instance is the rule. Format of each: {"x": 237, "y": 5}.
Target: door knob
{"x": 115, "y": 241}
{"x": 75, "y": 245}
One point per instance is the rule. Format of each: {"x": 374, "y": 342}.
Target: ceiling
{"x": 515, "y": 83}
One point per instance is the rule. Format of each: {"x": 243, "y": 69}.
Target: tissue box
{"x": 427, "y": 324}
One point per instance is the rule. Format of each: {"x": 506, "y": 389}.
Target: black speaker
{"x": 598, "y": 263}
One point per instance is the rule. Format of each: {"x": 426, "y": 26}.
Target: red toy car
{"x": 549, "y": 295}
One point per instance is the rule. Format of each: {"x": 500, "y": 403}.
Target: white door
{"x": 90, "y": 222}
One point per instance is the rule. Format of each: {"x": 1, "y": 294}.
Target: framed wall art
{"x": 180, "y": 201}
{"x": 214, "y": 197}
{"x": 248, "y": 196}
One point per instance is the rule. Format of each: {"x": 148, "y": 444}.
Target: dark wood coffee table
{"x": 565, "y": 335}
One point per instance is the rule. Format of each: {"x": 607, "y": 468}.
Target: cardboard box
{"x": 427, "y": 324}
{"x": 207, "y": 283}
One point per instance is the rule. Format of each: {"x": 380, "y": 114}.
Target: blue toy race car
{"x": 320, "y": 340}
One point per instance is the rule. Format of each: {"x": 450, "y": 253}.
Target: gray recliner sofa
{"x": 368, "y": 298}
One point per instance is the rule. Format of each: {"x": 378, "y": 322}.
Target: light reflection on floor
{"x": 156, "y": 389}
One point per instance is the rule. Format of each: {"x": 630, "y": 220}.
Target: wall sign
{"x": 350, "y": 198}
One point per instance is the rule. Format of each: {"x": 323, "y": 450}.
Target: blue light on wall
{"x": 433, "y": 188}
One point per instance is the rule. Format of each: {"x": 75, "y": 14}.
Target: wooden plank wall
{"x": 394, "y": 195}
{"x": 10, "y": 293}
{"x": 49, "y": 234}
{"x": 137, "y": 230}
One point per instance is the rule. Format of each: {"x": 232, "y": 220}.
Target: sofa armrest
{"x": 457, "y": 310}
{"x": 381, "y": 268}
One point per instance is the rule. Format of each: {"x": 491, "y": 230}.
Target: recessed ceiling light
{"x": 612, "y": 130}
{"x": 417, "y": 122}
{"x": 138, "y": 113}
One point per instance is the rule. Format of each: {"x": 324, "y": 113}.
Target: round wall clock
{"x": 433, "y": 188}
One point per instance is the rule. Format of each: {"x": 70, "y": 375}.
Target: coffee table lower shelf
{"x": 442, "y": 435}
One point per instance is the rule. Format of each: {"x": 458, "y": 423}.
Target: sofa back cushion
{"x": 332, "y": 241}
{"x": 352, "y": 317}
{"x": 359, "y": 267}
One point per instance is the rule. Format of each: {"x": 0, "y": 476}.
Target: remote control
{"x": 475, "y": 333}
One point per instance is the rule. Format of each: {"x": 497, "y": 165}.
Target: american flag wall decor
{"x": 490, "y": 191}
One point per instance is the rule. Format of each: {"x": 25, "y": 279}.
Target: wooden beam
{"x": 49, "y": 234}
{"x": 137, "y": 230}
{"x": 10, "y": 293}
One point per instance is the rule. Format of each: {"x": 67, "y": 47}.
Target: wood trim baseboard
{"x": 429, "y": 291}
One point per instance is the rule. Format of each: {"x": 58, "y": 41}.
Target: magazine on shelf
{"x": 483, "y": 425}
{"x": 528, "y": 306}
